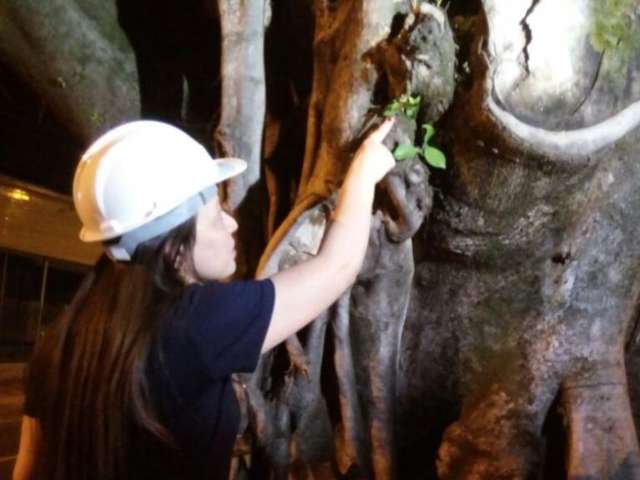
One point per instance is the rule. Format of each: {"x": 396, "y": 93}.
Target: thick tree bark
{"x": 82, "y": 69}
{"x": 518, "y": 237}
{"x": 239, "y": 131}
{"x": 367, "y": 353}
{"x": 537, "y": 263}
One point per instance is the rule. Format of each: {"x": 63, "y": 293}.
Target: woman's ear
{"x": 178, "y": 261}
{"x": 169, "y": 252}
{"x": 167, "y": 247}
{"x": 183, "y": 266}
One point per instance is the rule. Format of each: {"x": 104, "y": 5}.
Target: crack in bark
{"x": 591, "y": 86}
{"x": 528, "y": 35}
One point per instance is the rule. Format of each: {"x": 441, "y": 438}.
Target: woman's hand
{"x": 307, "y": 289}
{"x": 373, "y": 158}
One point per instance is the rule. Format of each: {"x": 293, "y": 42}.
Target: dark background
{"x": 34, "y": 146}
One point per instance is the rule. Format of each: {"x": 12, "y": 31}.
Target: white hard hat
{"x": 136, "y": 174}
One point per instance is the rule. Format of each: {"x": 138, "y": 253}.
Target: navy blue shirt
{"x": 215, "y": 329}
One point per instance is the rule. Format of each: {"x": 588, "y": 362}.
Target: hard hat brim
{"x": 229, "y": 167}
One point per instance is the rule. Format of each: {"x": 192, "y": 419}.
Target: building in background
{"x": 42, "y": 262}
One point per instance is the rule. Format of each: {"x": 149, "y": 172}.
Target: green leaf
{"x": 405, "y": 151}
{"x": 411, "y": 105}
{"x": 411, "y": 111}
{"x": 429, "y": 131}
{"x": 393, "y": 108}
{"x": 411, "y": 100}
{"x": 406, "y": 104}
{"x": 435, "y": 157}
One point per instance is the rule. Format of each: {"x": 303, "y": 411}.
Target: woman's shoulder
{"x": 226, "y": 323}
{"x": 225, "y": 294}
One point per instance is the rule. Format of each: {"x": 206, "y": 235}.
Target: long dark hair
{"x": 90, "y": 366}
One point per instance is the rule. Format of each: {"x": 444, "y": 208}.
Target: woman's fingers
{"x": 383, "y": 130}
{"x": 373, "y": 157}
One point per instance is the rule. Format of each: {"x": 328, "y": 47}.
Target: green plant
{"x": 409, "y": 106}
{"x": 615, "y": 30}
{"x": 406, "y": 105}
{"x": 428, "y": 154}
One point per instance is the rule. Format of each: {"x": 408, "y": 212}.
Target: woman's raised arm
{"x": 305, "y": 290}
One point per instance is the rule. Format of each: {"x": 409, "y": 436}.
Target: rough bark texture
{"x": 239, "y": 131}
{"x": 530, "y": 262}
{"x": 241, "y": 123}
{"x": 79, "y": 64}
{"x": 373, "y": 67}
{"x": 510, "y": 308}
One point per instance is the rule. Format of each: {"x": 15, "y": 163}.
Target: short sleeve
{"x": 228, "y": 323}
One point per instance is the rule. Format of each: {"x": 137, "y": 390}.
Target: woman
{"x": 134, "y": 381}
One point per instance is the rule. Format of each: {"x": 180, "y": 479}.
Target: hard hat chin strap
{"x": 123, "y": 247}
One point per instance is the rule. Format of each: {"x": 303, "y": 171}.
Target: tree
{"x": 492, "y": 330}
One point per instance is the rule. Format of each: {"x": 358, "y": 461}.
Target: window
{"x": 33, "y": 292}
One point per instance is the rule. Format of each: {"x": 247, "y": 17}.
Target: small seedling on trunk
{"x": 408, "y": 106}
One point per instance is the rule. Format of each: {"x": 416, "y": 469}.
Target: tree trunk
{"x": 527, "y": 287}
{"x": 372, "y": 69}
{"x": 82, "y": 69}
{"x": 239, "y": 132}
{"x": 509, "y": 307}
